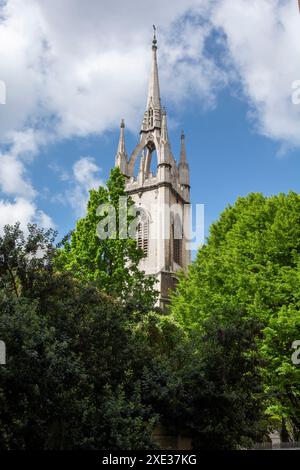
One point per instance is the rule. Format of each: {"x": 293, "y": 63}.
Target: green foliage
{"x": 162, "y": 352}
{"x": 70, "y": 355}
{"x": 22, "y": 259}
{"x": 282, "y": 376}
{"x": 112, "y": 264}
{"x": 226, "y": 399}
{"x": 89, "y": 366}
{"x": 251, "y": 264}
{"x": 206, "y": 385}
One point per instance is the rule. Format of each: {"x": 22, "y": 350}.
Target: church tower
{"x": 160, "y": 190}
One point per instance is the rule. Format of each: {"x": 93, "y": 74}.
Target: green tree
{"x": 226, "y": 405}
{"x": 282, "y": 376}
{"x": 70, "y": 355}
{"x": 111, "y": 263}
{"x": 251, "y": 264}
{"x": 206, "y": 385}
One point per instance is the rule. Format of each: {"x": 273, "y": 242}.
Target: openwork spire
{"x": 152, "y": 117}
{"x": 153, "y": 90}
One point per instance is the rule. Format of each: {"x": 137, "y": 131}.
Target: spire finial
{"x": 154, "y": 41}
{"x": 122, "y": 125}
{"x": 182, "y": 135}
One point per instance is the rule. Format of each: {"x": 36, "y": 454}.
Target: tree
{"x": 67, "y": 382}
{"x": 251, "y": 264}
{"x": 226, "y": 404}
{"x": 22, "y": 258}
{"x": 204, "y": 385}
{"x": 282, "y": 376}
{"x": 111, "y": 263}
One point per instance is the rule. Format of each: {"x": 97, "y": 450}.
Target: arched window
{"x": 142, "y": 233}
{"x": 151, "y": 162}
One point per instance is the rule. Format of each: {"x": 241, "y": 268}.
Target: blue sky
{"x": 226, "y": 71}
{"x": 227, "y": 159}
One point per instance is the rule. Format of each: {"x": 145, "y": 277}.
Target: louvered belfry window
{"x": 143, "y": 234}
{"x": 177, "y": 241}
{"x": 178, "y": 251}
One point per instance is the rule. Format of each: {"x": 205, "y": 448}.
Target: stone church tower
{"x": 160, "y": 190}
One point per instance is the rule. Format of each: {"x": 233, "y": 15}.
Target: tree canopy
{"x": 251, "y": 263}
{"x": 111, "y": 263}
{"x": 70, "y": 351}
{"x": 90, "y": 365}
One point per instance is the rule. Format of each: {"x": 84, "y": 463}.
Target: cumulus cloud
{"x": 86, "y": 173}
{"x": 76, "y": 77}
{"x": 12, "y": 179}
{"x": 23, "y": 211}
{"x": 86, "y": 176}
{"x": 15, "y": 183}
{"x": 13, "y": 176}
{"x": 72, "y": 68}
{"x": 263, "y": 43}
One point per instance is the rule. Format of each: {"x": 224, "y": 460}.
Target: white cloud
{"x": 61, "y": 172}
{"x": 23, "y": 211}
{"x": 74, "y": 77}
{"x": 15, "y": 183}
{"x": 74, "y": 68}
{"x": 77, "y": 77}
{"x": 86, "y": 176}
{"x": 83, "y": 73}
{"x": 263, "y": 44}
{"x": 86, "y": 173}
{"x": 12, "y": 177}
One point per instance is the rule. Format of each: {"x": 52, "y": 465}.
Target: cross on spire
{"x": 154, "y": 42}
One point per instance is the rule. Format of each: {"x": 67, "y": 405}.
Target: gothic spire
{"x": 152, "y": 117}
{"x": 153, "y": 90}
{"x": 121, "y": 157}
{"x": 183, "y": 167}
{"x": 121, "y": 146}
{"x": 183, "y": 150}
